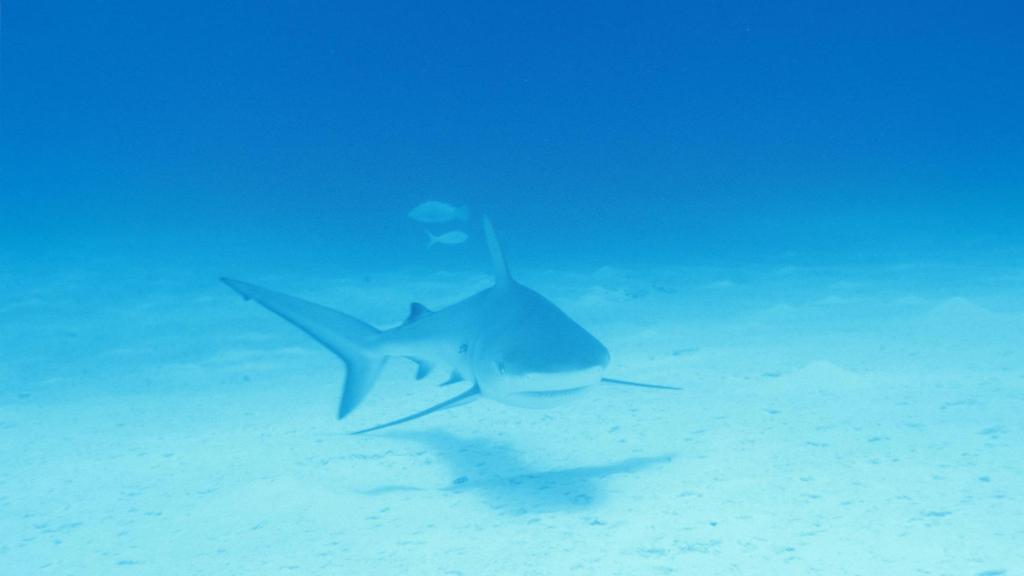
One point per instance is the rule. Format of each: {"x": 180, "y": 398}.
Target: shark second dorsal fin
{"x": 416, "y": 311}
{"x": 501, "y": 275}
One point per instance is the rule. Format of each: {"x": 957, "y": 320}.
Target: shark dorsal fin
{"x": 501, "y": 275}
{"x": 416, "y": 311}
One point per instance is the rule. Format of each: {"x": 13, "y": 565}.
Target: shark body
{"x": 510, "y": 343}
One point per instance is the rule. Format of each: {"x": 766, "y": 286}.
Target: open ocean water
{"x": 806, "y": 216}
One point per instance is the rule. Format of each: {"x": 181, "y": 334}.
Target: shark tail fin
{"x": 349, "y": 338}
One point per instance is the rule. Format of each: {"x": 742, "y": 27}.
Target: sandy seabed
{"x": 847, "y": 420}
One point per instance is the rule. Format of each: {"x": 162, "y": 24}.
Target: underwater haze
{"x": 805, "y": 216}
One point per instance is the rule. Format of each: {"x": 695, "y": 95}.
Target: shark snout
{"x": 539, "y": 365}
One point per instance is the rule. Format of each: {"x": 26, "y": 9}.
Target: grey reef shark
{"x": 508, "y": 342}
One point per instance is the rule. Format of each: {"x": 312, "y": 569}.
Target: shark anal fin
{"x": 455, "y": 378}
{"x": 637, "y": 384}
{"x": 423, "y": 368}
{"x": 463, "y": 398}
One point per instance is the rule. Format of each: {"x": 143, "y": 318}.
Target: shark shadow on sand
{"x": 495, "y": 471}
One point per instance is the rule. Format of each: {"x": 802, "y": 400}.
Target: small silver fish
{"x": 451, "y": 237}
{"x": 433, "y": 212}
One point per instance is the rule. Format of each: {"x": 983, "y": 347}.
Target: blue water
{"x": 808, "y": 216}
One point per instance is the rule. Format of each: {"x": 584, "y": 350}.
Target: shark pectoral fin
{"x": 464, "y": 398}
{"x": 637, "y": 384}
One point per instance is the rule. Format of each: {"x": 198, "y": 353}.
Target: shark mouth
{"x": 551, "y": 393}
